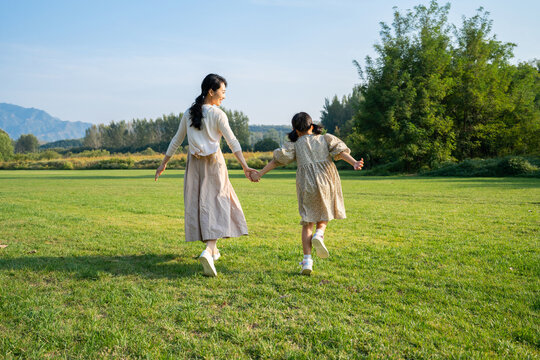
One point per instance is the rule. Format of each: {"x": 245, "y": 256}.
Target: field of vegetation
{"x": 93, "y": 266}
{"x": 102, "y": 159}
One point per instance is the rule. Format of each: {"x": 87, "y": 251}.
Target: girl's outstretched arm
{"x": 259, "y": 174}
{"x": 357, "y": 165}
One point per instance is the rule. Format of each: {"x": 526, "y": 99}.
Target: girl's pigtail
{"x": 317, "y": 129}
{"x": 293, "y": 136}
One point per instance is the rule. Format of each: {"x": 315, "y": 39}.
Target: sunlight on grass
{"x": 96, "y": 267}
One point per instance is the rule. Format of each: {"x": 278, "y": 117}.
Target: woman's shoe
{"x": 307, "y": 266}
{"x": 318, "y": 243}
{"x": 208, "y": 264}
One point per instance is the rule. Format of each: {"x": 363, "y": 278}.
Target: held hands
{"x": 249, "y": 172}
{"x": 255, "y": 176}
{"x": 358, "y": 165}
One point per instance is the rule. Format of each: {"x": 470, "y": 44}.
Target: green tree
{"x": 117, "y": 135}
{"x": 92, "y": 137}
{"x": 266, "y": 144}
{"x": 239, "y": 123}
{"x": 6, "y": 146}
{"x": 402, "y": 117}
{"x": 337, "y": 116}
{"x": 481, "y": 98}
{"x": 26, "y": 144}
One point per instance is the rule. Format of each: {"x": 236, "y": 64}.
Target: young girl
{"x": 317, "y": 181}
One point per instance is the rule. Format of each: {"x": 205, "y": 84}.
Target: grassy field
{"x": 95, "y": 267}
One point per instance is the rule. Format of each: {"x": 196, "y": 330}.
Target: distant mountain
{"x": 17, "y": 120}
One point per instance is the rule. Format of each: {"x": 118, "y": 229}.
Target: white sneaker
{"x": 216, "y": 256}
{"x": 207, "y": 262}
{"x": 318, "y": 243}
{"x": 307, "y": 266}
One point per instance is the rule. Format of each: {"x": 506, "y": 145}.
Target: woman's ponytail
{"x": 211, "y": 81}
{"x": 195, "y": 112}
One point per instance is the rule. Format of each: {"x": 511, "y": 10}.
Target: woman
{"x": 212, "y": 210}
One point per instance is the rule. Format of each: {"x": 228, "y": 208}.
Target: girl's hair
{"x": 302, "y": 122}
{"x": 211, "y": 81}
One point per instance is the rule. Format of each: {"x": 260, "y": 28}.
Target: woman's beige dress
{"x": 318, "y": 185}
{"x": 211, "y": 208}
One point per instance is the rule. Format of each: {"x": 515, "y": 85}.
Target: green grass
{"x": 96, "y": 267}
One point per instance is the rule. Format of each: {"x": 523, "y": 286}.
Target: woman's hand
{"x": 358, "y": 165}
{"x": 160, "y": 170}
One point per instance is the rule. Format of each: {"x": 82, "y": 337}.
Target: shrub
{"x": 91, "y": 153}
{"x": 113, "y": 163}
{"x": 516, "y": 166}
{"x": 147, "y": 164}
{"x": 508, "y": 166}
{"x": 48, "y": 155}
{"x": 148, "y": 151}
{"x": 265, "y": 144}
{"x": 256, "y": 163}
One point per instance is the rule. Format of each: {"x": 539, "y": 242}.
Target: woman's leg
{"x": 206, "y": 258}
{"x": 307, "y": 232}
{"x": 211, "y": 246}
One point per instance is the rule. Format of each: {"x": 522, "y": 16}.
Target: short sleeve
{"x": 336, "y": 146}
{"x": 285, "y": 154}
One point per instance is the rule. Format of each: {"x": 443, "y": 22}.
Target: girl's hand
{"x": 160, "y": 170}
{"x": 255, "y": 176}
{"x": 358, "y": 165}
{"x": 248, "y": 171}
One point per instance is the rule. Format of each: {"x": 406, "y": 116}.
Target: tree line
{"x": 435, "y": 93}
{"x": 438, "y": 92}
{"x": 140, "y": 134}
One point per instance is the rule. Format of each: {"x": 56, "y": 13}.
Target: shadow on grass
{"x": 503, "y": 183}
{"x": 93, "y": 267}
{"x": 237, "y": 174}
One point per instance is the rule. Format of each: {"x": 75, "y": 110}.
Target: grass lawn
{"x": 96, "y": 267}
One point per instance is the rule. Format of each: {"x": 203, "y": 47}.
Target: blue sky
{"x": 98, "y": 61}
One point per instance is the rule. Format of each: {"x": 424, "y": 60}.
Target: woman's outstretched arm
{"x": 162, "y": 167}
{"x": 256, "y": 176}
{"x": 247, "y": 170}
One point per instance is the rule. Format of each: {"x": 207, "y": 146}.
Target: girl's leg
{"x": 321, "y": 225}
{"x": 307, "y": 232}
{"x": 318, "y": 240}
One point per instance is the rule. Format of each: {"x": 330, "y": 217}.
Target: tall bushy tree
{"x": 116, "y": 135}
{"x": 239, "y": 123}
{"x": 92, "y": 137}
{"x": 6, "y": 146}
{"x": 26, "y": 144}
{"x": 403, "y": 117}
{"x": 433, "y": 95}
{"x": 522, "y": 125}
{"x": 481, "y": 95}
{"x": 337, "y": 116}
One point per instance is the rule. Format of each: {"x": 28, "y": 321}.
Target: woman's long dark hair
{"x": 211, "y": 81}
{"x": 302, "y": 122}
